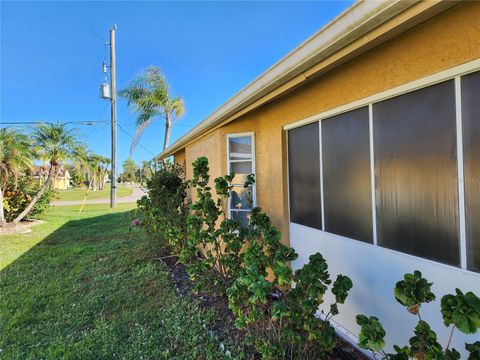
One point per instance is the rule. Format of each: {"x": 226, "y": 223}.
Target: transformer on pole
{"x": 105, "y": 93}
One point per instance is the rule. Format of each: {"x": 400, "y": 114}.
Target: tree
{"x": 145, "y": 171}
{"x": 15, "y": 157}
{"x": 94, "y": 162}
{"x": 77, "y": 177}
{"x": 99, "y": 167}
{"x": 54, "y": 144}
{"x": 80, "y": 165}
{"x": 103, "y": 171}
{"x": 130, "y": 171}
{"x": 149, "y": 96}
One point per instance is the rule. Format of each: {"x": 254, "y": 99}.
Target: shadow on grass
{"x": 90, "y": 290}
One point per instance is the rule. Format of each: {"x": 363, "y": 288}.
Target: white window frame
{"x": 229, "y": 161}
{"x": 454, "y": 73}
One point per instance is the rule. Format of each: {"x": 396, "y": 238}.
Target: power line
{"x": 84, "y": 122}
{"x": 131, "y": 137}
{"x": 96, "y": 33}
{"x": 80, "y": 122}
{"x": 56, "y": 20}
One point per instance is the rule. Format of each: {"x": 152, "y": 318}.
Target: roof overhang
{"x": 361, "y": 27}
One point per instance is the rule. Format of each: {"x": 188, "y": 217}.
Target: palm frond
{"x": 138, "y": 134}
{"x": 55, "y": 143}
{"x": 148, "y": 96}
{"x": 178, "y": 107}
{"x": 16, "y": 154}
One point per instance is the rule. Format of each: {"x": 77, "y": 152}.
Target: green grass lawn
{"x": 79, "y": 194}
{"x": 87, "y": 287}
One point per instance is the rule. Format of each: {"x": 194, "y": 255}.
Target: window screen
{"x": 304, "y": 176}
{"x": 240, "y": 148}
{"x": 241, "y": 162}
{"x": 346, "y": 175}
{"x": 416, "y": 173}
{"x": 471, "y": 156}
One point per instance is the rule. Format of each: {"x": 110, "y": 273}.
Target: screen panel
{"x": 240, "y": 148}
{"x": 471, "y": 157}
{"x": 243, "y": 217}
{"x": 416, "y": 173}
{"x": 304, "y": 176}
{"x": 346, "y": 175}
{"x": 241, "y": 170}
{"x": 241, "y": 198}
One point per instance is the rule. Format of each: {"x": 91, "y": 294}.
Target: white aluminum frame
{"x": 448, "y": 74}
{"x": 453, "y": 73}
{"x": 372, "y": 175}
{"x": 254, "y": 186}
{"x": 320, "y": 155}
{"x": 460, "y": 174}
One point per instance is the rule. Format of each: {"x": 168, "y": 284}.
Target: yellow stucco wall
{"x": 179, "y": 157}
{"x": 449, "y": 39}
{"x": 61, "y": 183}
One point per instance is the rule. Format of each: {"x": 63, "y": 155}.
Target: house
{"x": 365, "y": 144}
{"x": 60, "y": 181}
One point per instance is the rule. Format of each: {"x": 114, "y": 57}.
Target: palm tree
{"x": 54, "y": 144}
{"x": 98, "y": 166}
{"x": 102, "y": 171}
{"x": 15, "y": 156}
{"x": 149, "y": 95}
{"x": 94, "y": 161}
{"x": 80, "y": 161}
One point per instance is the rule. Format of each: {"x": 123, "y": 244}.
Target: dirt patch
{"x": 223, "y": 327}
{"x": 21, "y": 228}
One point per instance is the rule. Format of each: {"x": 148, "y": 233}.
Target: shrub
{"x": 209, "y": 229}
{"x": 302, "y": 328}
{"x": 459, "y": 311}
{"x": 78, "y": 178}
{"x": 263, "y": 254}
{"x": 252, "y": 265}
{"x": 16, "y": 198}
{"x": 286, "y": 324}
{"x": 165, "y": 208}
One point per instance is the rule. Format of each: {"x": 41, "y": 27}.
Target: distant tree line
{"x": 135, "y": 173}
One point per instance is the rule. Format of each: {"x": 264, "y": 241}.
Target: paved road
{"x": 137, "y": 193}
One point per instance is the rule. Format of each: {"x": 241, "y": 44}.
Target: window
{"x": 400, "y": 169}
{"x": 346, "y": 175}
{"x": 471, "y": 157}
{"x": 416, "y": 173}
{"x": 241, "y": 161}
{"x": 304, "y": 176}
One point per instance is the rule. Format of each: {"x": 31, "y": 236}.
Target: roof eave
{"x": 352, "y": 24}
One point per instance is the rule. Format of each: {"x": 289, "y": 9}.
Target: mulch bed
{"x": 21, "y": 228}
{"x": 223, "y": 327}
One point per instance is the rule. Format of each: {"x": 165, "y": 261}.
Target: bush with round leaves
{"x": 460, "y": 311}
{"x": 251, "y": 265}
{"x": 214, "y": 243}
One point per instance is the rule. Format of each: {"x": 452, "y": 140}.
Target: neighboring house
{"x": 365, "y": 143}
{"x": 60, "y": 181}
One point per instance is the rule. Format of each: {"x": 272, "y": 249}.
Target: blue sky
{"x": 51, "y": 56}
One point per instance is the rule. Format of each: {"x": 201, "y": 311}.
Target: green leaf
{"x": 461, "y": 310}
{"x": 413, "y": 291}
{"x": 372, "y": 334}
{"x": 474, "y": 350}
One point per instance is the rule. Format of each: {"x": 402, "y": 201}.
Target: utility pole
{"x": 113, "y": 100}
